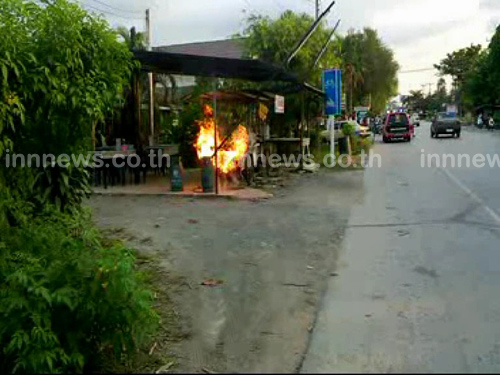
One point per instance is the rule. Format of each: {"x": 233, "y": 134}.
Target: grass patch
{"x": 341, "y": 164}
{"x": 158, "y": 352}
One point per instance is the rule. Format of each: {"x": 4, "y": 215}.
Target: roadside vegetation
{"x": 68, "y": 298}
{"x": 475, "y": 74}
{"x": 357, "y": 144}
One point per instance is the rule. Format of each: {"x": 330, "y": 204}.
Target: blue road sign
{"x": 332, "y": 85}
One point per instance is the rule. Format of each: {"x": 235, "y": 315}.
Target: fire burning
{"x": 231, "y": 151}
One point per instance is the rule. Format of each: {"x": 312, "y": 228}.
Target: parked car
{"x": 363, "y": 131}
{"x": 446, "y": 123}
{"x": 397, "y": 127}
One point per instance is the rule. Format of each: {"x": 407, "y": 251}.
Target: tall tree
{"x": 416, "y": 101}
{"x": 441, "y": 86}
{"x": 133, "y": 39}
{"x": 353, "y": 78}
{"x": 483, "y": 85}
{"x": 272, "y": 40}
{"x": 440, "y": 96}
{"x": 459, "y": 65}
{"x": 63, "y": 71}
{"x": 376, "y": 69}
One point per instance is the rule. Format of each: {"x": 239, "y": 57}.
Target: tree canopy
{"x": 483, "y": 83}
{"x": 133, "y": 39}
{"x": 459, "y": 64}
{"x": 418, "y": 101}
{"x": 63, "y": 70}
{"x": 272, "y": 40}
{"x": 370, "y": 69}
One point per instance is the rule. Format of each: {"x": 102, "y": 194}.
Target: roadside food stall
{"x": 228, "y": 68}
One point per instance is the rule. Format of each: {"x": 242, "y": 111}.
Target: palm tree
{"x": 354, "y": 77}
{"x": 133, "y": 39}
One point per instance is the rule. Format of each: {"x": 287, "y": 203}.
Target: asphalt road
{"x": 418, "y": 284}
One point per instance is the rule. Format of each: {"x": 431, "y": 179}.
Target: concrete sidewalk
{"x": 160, "y": 186}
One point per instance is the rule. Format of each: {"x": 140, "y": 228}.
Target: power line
{"x": 308, "y": 34}
{"x": 111, "y": 13}
{"x": 251, "y": 9}
{"x": 279, "y": 6}
{"x": 117, "y": 9}
{"x": 417, "y": 70}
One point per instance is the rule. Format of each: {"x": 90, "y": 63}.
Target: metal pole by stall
{"x": 215, "y": 138}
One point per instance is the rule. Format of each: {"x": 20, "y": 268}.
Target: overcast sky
{"x": 420, "y": 32}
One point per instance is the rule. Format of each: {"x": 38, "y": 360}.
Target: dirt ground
{"x": 271, "y": 260}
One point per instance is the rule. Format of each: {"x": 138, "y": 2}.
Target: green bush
{"x": 314, "y": 138}
{"x": 65, "y": 186}
{"x": 65, "y": 300}
{"x": 349, "y": 128}
{"x": 360, "y": 144}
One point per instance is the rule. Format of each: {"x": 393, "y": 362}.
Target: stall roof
{"x": 209, "y": 66}
{"x": 222, "y": 67}
{"x": 243, "y": 96}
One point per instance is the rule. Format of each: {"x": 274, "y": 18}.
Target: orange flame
{"x": 233, "y": 150}
{"x": 205, "y": 143}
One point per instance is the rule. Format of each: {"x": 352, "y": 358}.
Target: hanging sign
{"x": 263, "y": 111}
{"x": 332, "y": 86}
{"x": 279, "y": 104}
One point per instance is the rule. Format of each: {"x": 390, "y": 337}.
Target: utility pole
{"x": 151, "y": 82}
{"x": 428, "y": 84}
{"x": 307, "y": 35}
{"x": 323, "y": 49}
{"x": 318, "y": 6}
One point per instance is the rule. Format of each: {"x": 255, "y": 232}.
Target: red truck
{"x": 397, "y": 127}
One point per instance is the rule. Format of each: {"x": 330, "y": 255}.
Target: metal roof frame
{"x": 220, "y": 67}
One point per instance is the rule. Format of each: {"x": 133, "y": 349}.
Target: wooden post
{"x": 151, "y": 84}
{"x": 94, "y": 125}
{"x": 308, "y": 117}
{"x": 137, "y": 105}
{"x": 302, "y": 120}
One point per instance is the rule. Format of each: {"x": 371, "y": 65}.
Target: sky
{"x": 420, "y": 32}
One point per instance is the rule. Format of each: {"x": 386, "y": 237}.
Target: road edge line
{"x": 471, "y": 194}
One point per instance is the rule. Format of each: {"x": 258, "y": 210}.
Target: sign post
{"x": 332, "y": 85}
{"x": 331, "y": 128}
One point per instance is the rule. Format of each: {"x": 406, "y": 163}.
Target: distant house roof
{"x": 227, "y": 48}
